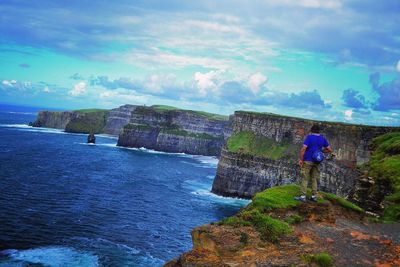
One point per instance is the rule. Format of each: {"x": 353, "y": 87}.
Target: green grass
{"x": 247, "y": 142}
{"x": 322, "y": 259}
{"x": 89, "y": 110}
{"x": 385, "y": 166}
{"x": 342, "y": 202}
{"x": 161, "y": 108}
{"x": 181, "y": 132}
{"x": 278, "y": 197}
{"x": 211, "y": 116}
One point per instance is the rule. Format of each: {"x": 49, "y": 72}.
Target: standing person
{"x": 311, "y": 155}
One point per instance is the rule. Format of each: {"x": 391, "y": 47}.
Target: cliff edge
{"x": 263, "y": 152}
{"x": 169, "y": 129}
{"x": 275, "y": 230}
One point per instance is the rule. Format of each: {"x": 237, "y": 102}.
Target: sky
{"x": 336, "y": 60}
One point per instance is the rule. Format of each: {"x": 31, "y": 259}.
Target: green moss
{"x": 248, "y": 143}
{"x": 322, "y": 259}
{"x": 342, "y": 202}
{"x": 88, "y": 122}
{"x": 181, "y": 132}
{"x": 385, "y": 166}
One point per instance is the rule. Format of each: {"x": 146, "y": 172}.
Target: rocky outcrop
{"x": 86, "y": 121}
{"x": 242, "y": 174}
{"x": 117, "y": 118}
{"x": 54, "y": 119}
{"x": 275, "y": 230}
{"x": 175, "y": 130}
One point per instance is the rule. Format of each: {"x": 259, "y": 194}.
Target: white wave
{"x": 22, "y": 113}
{"x": 15, "y": 126}
{"x": 210, "y": 177}
{"x": 53, "y": 256}
{"x": 227, "y": 200}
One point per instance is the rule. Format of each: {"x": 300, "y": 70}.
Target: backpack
{"x": 318, "y": 155}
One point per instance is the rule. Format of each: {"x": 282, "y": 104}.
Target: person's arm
{"x": 302, "y": 151}
{"x": 327, "y": 149}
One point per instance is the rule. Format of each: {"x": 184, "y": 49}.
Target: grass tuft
{"x": 322, "y": 259}
{"x": 342, "y": 202}
{"x": 385, "y": 166}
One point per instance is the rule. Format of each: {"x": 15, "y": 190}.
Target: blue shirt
{"x": 314, "y": 142}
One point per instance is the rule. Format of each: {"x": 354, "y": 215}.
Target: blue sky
{"x": 321, "y": 59}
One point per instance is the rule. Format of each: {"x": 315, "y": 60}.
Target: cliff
{"x": 170, "y": 129}
{"x": 53, "y": 119}
{"x": 263, "y": 152}
{"x": 275, "y": 230}
{"x": 86, "y": 120}
{"x": 117, "y": 118}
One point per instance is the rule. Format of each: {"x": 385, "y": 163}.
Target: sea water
{"x": 66, "y": 203}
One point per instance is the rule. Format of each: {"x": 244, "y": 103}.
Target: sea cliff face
{"x": 54, "y": 119}
{"x": 242, "y": 173}
{"x": 117, "y": 118}
{"x": 174, "y": 130}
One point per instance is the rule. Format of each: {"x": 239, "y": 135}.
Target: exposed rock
{"x": 330, "y": 231}
{"x": 174, "y": 130}
{"x": 91, "y": 139}
{"x": 117, "y": 118}
{"x": 242, "y": 175}
{"x": 54, "y": 119}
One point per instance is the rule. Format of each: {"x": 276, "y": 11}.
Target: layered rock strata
{"x": 242, "y": 174}
{"x": 175, "y": 130}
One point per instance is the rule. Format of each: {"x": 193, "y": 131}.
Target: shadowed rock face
{"x": 54, "y": 119}
{"x": 180, "y": 131}
{"x": 243, "y": 175}
{"x": 118, "y": 118}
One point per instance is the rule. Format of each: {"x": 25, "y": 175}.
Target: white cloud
{"x": 255, "y": 81}
{"x": 398, "y": 66}
{"x": 79, "y": 89}
{"x": 207, "y": 81}
{"x": 46, "y": 89}
{"x": 328, "y": 4}
{"x": 348, "y": 115}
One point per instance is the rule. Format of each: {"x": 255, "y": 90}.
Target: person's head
{"x": 315, "y": 129}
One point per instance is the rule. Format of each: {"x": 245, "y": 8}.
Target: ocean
{"x": 66, "y": 203}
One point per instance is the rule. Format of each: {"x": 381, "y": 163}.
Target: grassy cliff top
{"x": 90, "y": 110}
{"x": 385, "y": 166}
{"x": 212, "y": 116}
{"x": 248, "y": 143}
{"x": 271, "y": 226}
{"x": 328, "y": 123}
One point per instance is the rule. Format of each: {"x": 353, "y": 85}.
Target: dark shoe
{"x": 314, "y": 198}
{"x": 301, "y": 198}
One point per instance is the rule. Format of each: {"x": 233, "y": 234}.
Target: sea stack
{"x": 91, "y": 138}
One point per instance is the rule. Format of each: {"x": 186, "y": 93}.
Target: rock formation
{"x": 117, "y": 118}
{"x": 174, "y": 130}
{"x": 244, "y": 173}
{"x": 275, "y": 230}
{"x": 54, "y": 119}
